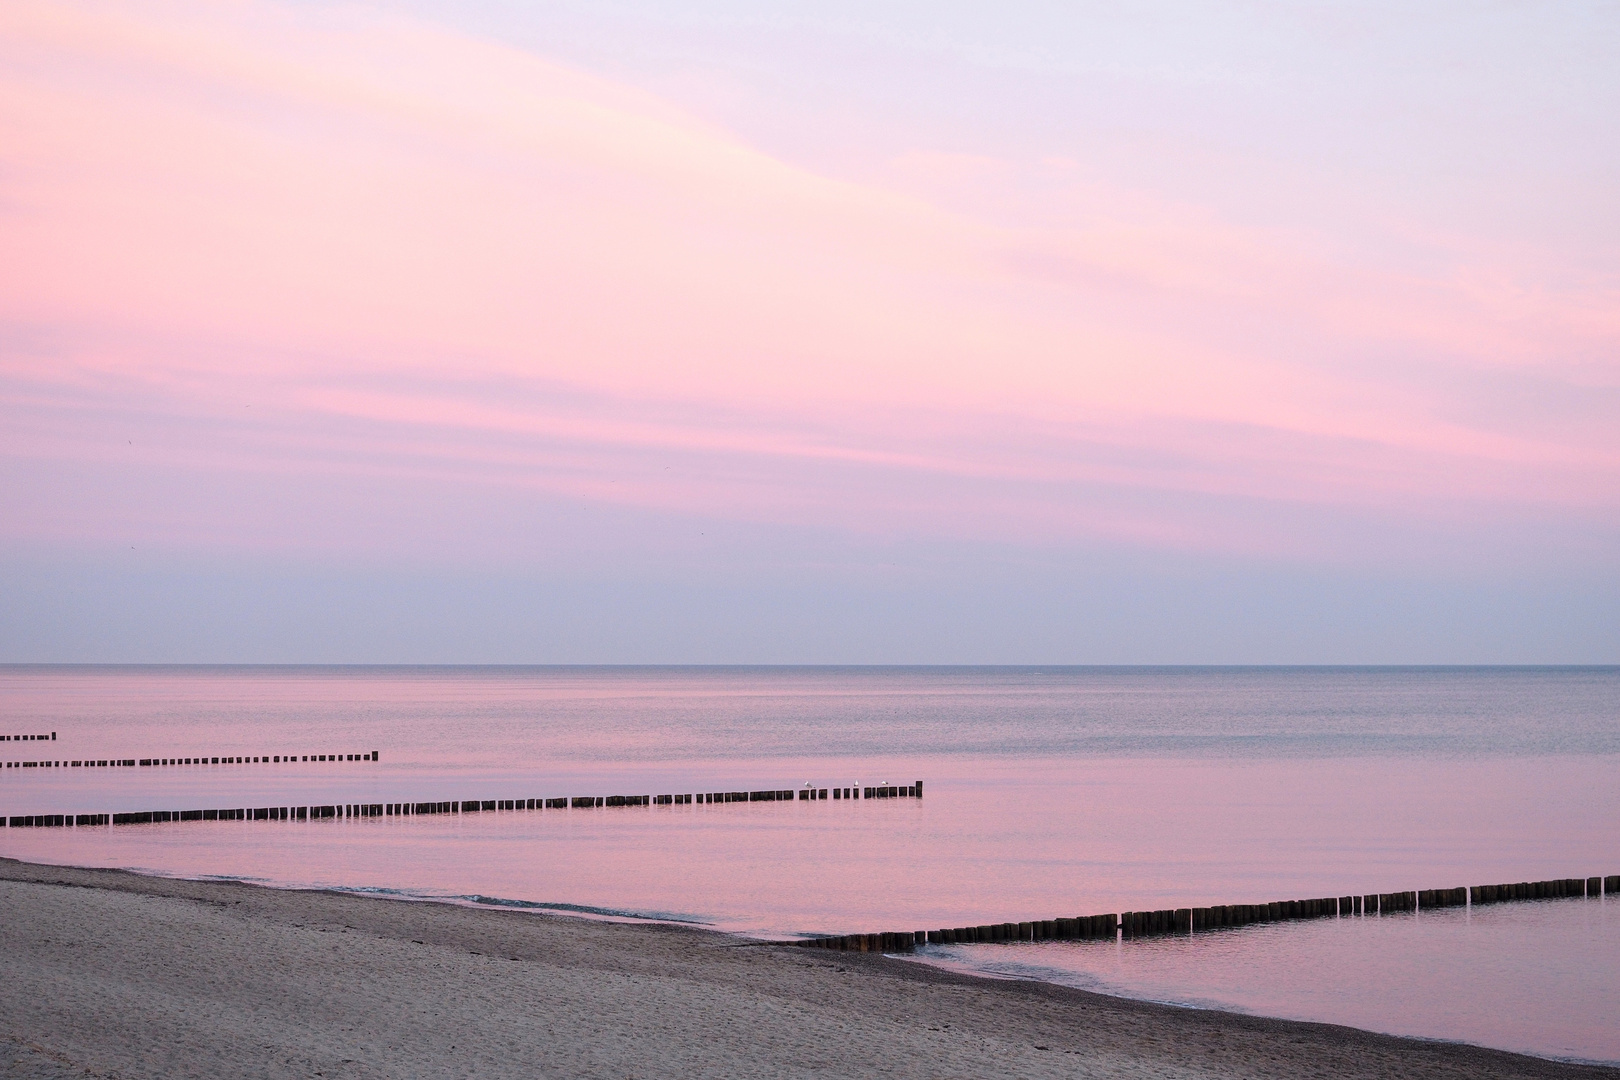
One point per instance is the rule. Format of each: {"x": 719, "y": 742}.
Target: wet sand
{"x": 108, "y": 973}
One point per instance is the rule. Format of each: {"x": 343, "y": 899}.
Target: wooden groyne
{"x": 29, "y": 738}
{"x": 228, "y": 759}
{"x": 1127, "y": 925}
{"x": 460, "y": 806}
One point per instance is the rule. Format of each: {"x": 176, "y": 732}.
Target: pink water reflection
{"x": 1000, "y": 840}
{"x": 1533, "y": 977}
{"x": 1307, "y": 784}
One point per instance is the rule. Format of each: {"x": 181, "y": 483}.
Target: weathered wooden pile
{"x": 1140, "y": 924}
{"x": 1544, "y": 890}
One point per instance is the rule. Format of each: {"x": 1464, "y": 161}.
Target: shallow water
{"x": 1048, "y": 793}
{"x": 1536, "y": 975}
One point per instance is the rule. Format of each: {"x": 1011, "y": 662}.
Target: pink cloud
{"x": 426, "y": 255}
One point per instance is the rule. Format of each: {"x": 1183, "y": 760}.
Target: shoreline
{"x": 111, "y": 972}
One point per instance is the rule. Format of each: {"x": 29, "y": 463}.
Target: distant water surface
{"x": 1049, "y": 791}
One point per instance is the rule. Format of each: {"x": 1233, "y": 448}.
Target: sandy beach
{"x": 114, "y": 974}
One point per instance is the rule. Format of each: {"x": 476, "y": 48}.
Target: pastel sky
{"x": 724, "y": 332}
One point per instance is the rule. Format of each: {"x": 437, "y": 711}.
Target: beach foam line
{"x": 501, "y": 902}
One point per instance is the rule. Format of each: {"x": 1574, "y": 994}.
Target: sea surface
{"x": 1048, "y": 792}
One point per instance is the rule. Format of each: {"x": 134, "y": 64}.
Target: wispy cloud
{"x": 341, "y": 243}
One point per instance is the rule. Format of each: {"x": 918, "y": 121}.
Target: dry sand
{"x": 113, "y": 974}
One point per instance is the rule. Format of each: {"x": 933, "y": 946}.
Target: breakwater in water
{"x": 228, "y": 759}
{"x": 460, "y": 806}
{"x": 1167, "y": 921}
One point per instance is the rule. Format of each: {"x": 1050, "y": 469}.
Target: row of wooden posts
{"x": 1138, "y": 924}
{"x": 230, "y": 759}
{"x": 463, "y": 806}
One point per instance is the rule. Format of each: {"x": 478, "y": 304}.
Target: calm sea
{"x": 1049, "y": 792}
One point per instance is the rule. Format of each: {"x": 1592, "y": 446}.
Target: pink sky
{"x": 304, "y": 249}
